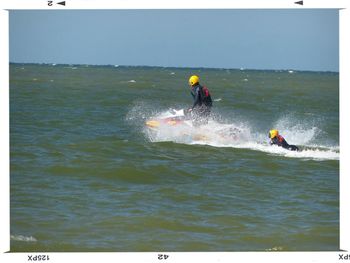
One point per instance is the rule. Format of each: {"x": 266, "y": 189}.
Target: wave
{"x": 23, "y": 238}
{"x": 316, "y": 152}
{"x": 238, "y": 134}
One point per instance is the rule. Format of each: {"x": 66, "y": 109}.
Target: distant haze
{"x": 252, "y": 39}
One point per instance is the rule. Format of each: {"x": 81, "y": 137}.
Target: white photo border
{"x": 344, "y": 84}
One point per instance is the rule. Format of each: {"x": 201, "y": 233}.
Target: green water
{"x": 86, "y": 176}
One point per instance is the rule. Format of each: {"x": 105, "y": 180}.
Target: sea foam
{"x": 23, "y": 238}
{"x": 239, "y": 135}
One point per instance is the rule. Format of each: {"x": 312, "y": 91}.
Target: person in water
{"x": 202, "y": 101}
{"x": 276, "y": 139}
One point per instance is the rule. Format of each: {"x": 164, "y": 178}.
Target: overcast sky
{"x": 254, "y": 39}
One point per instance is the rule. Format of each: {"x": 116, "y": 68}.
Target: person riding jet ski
{"x": 202, "y": 101}
{"x": 276, "y": 139}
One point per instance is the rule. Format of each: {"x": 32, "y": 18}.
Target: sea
{"x": 87, "y": 174}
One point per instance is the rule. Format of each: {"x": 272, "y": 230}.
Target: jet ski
{"x": 170, "y": 118}
{"x": 179, "y": 124}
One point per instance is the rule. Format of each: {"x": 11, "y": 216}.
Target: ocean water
{"x": 87, "y": 175}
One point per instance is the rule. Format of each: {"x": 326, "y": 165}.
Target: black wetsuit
{"x": 201, "y": 104}
{"x": 280, "y": 141}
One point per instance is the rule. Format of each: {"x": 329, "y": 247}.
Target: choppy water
{"x": 87, "y": 176}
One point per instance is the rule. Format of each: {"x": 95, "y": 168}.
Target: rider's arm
{"x": 196, "y": 98}
{"x": 274, "y": 141}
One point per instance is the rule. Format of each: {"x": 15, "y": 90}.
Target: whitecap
{"x": 275, "y": 249}
{"x": 23, "y": 238}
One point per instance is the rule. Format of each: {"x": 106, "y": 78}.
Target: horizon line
{"x": 180, "y": 67}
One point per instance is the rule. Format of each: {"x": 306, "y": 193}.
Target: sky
{"x": 251, "y": 39}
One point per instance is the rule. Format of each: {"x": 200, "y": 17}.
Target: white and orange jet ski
{"x": 170, "y": 118}
{"x": 180, "y": 123}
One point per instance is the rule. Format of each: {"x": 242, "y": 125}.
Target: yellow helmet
{"x": 273, "y": 133}
{"x": 193, "y": 80}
